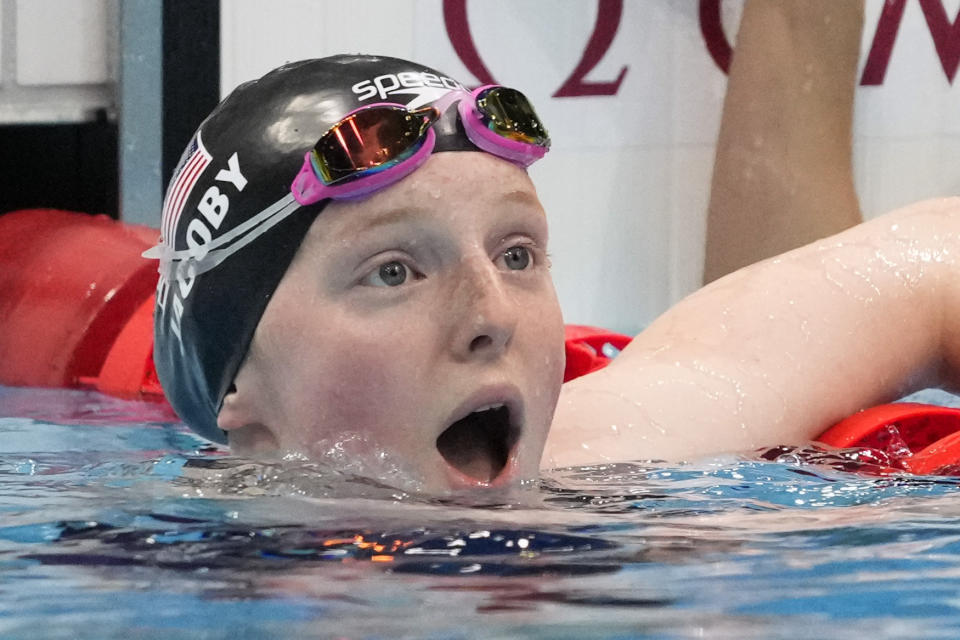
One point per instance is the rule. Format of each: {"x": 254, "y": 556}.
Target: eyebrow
{"x": 522, "y": 196}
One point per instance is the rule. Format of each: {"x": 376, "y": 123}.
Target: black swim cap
{"x": 239, "y": 164}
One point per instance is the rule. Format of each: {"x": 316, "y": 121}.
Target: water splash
{"x": 134, "y": 529}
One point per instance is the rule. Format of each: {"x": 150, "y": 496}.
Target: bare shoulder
{"x": 778, "y": 351}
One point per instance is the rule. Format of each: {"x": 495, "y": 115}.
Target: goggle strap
{"x": 182, "y": 264}
{"x": 304, "y": 186}
{"x": 444, "y": 102}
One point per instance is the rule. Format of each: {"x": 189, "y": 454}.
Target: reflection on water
{"x": 116, "y": 522}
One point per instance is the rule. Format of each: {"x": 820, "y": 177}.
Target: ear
{"x": 240, "y": 418}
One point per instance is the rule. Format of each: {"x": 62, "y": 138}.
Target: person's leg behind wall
{"x": 783, "y": 173}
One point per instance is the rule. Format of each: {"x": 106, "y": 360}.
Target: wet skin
{"x": 346, "y": 369}
{"x": 402, "y": 313}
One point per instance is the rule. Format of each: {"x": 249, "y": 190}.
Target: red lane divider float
{"x": 919, "y": 438}
{"x": 589, "y": 349}
{"x": 76, "y": 302}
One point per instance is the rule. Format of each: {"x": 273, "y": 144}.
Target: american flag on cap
{"x": 195, "y": 159}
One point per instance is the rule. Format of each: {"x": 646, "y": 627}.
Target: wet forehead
{"x": 449, "y": 178}
{"x": 461, "y": 172}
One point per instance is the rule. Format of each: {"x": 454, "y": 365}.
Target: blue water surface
{"x": 116, "y": 522}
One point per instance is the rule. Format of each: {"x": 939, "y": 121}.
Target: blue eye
{"x": 517, "y": 258}
{"x": 391, "y": 274}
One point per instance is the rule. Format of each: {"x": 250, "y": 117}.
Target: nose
{"x": 487, "y": 311}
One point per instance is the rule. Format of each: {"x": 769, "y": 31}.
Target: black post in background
{"x": 191, "y": 72}
{"x": 69, "y": 166}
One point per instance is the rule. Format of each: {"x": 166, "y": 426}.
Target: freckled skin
{"x": 779, "y": 351}
{"x": 368, "y": 376}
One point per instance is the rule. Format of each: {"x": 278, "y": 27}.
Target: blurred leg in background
{"x": 783, "y": 174}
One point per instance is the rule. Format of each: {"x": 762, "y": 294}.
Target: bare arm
{"x": 780, "y": 350}
{"x": 783, "y": 175}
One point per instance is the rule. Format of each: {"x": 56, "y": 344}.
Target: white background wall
{"x": 627, "y": 193}
{"x": 57, "y": 59}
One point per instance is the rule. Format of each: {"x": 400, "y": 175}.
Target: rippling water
{"x": 115, "y": 522}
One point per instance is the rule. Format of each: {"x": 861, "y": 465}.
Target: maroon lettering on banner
{"x": 458, "y": 30}
{"x": 711, "y": 27}
{"x": 946, "y": 35}
{"x": 609, "y": 13}
{"x": 875, "y": 68}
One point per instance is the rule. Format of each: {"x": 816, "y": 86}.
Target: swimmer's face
{"x": 415, "y": 337}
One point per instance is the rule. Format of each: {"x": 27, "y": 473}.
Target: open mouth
{"x": 479, "y": 444}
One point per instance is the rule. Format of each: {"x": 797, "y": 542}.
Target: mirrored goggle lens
{"x": 510, "y": 114}
{"x": 370, "y": 139}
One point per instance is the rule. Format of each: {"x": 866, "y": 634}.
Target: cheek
{"x": 363, "y": 382}
{"x": 549, "y": 322}
{"x": 546, "y": 355}
{"x": 352, "y": 386}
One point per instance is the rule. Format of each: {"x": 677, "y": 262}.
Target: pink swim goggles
{"x": 371, "y": 148}
{"x": 378, "y": 144}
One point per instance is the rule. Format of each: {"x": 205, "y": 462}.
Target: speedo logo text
{"x": 426, "y": 86}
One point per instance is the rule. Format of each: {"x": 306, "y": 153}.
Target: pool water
{"x": 115, "y": 522}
